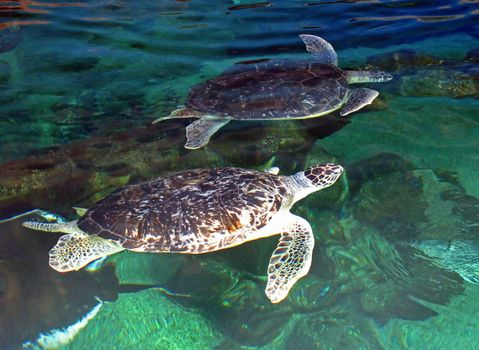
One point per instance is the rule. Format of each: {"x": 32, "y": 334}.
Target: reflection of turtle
{"x": 196, "y": 212}
{"x": 276, "y": 89}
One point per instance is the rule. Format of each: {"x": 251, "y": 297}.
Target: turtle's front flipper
{"x": 291, "y": 260}
{"x": 322, "y": 50}
{"x": 75, "y": 250}
{"x": 358, "y": 98}
{"x": 199, "y": 132}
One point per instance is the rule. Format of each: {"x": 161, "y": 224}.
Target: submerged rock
{"x": 77, "y": 64}
{"x": 403, "y": 60}
{"x": 163, "y": 325}
{"x": 473, "y": 55}
{"x": 202, "y": 279}
{"x": 451, "y": 211}
{"x": 5, "y": 72}
{"x": 147, "y": 269}
{"x": 438, "y": 82}
{"x": 405, "y": 204}
{"x": 463, "y": 206}
{"x": 452, "y": 328}
{"x": 246, "y": 143}
{"x": 82, "y": 173}
{"x": 381, "y": 165}
{"x": 424, "y": 75}
{"x": 407, "y": 297}
{"x": 110, "y": 102}
{"x": 229, "y": 286}
{"x": 458, "y": 256}
{"x": 380, "y": 188}
{"x": 250, "y": 322}
{"x": 337, "y": 329}
{"x": 389, "y": 278}
{"x": 393, "y": 204}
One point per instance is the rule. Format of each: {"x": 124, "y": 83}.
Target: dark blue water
{"x": 81, "y": 83}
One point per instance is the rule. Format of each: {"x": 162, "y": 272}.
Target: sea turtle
{"x": 275, "y": 90}
{"x": 199, "y": 211}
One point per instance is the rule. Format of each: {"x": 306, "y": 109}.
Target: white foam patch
{"x": 60, "y": 337}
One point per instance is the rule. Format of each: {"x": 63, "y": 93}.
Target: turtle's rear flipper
{"x": 75, "y": 250}
{"x": 358, "y": 98}
{"x": 199, "y": 132}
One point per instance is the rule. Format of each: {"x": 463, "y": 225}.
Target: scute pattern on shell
{"x": 194, "y": 211}
{"x": 277, "y": 89}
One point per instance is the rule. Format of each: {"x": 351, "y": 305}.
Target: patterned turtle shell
{"x": 277, "y": 89}
{"x": 195, "y": 211}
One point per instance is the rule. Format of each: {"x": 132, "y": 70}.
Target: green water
{"x": 81, "y": 83}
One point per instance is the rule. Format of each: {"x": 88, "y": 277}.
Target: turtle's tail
{"x": 66, "y": 227}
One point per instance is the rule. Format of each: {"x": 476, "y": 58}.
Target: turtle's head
{"x": 315, "y": 178}
{"x": 323, "y": 175}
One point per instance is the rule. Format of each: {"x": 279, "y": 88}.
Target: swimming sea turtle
{"x": 276, "y": 89}
{"x": 199, "y": 211}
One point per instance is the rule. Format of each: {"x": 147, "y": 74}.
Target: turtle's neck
{"x": 300, "y": 186}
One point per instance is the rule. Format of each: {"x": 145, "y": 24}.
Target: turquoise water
{"x": 81, "y": 83}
